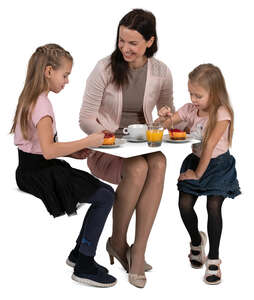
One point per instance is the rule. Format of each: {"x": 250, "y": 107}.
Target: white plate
{"x": 166, "y": 138}
{"x": 118, "y": 143}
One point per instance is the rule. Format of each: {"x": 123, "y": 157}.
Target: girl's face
{"x": 199, "y": 96}
{"x": 59, "y": 77}
{"x": 133, "y": 46}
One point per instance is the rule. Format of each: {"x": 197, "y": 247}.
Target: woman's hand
{"x": 189, "y": 174}
{"x": 95, "y": 139}
{"x": 82, "y": 154}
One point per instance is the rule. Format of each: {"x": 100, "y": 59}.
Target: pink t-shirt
{"x": 197, "y": 125}
{"x": 42, "y": 108}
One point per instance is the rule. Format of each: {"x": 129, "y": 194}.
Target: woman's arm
{"x": 95, "y": 86}
{"x": 166, "y": 93}
{"x": 206, "y": 155}
{"x": 51, "y": 150}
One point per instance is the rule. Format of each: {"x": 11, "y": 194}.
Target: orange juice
{"x": 154, "y": 137}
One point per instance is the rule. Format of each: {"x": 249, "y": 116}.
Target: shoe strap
{"x": 195, "y": 248}
{"x": 212, "y": 272}
{"x": 215, "y": 262}
{"x": 210, "y": 262}
{"x": 195, "y": 257}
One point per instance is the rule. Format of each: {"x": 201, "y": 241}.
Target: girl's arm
{"x": 51, "y": 150}
{"x": 173, "y": 119}
{"x": 166, "y": 117}
{"x": 206, "y": 155}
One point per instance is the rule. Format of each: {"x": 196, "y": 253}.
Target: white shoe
{"x": 201, "y": 257}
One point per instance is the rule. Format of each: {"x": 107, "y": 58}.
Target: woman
{"x": 123, "y": 89}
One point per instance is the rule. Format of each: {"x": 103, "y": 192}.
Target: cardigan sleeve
{"x": 95, "y": 86}
{"x": 166, "y": 93}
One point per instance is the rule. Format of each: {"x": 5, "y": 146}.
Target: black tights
{"x": 190, "y": 220}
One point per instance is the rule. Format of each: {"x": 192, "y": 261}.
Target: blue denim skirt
{"x": 219, "y": 179}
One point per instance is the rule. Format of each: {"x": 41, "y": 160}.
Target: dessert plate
{"x": 166, "y": 138}
{"x": 118, "y": 143}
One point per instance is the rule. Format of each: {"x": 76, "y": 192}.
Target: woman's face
{"x": 133, "y": 46}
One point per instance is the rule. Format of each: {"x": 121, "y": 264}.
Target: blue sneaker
{"x": 98, "y": 278}
{"x": 72, "y": 260}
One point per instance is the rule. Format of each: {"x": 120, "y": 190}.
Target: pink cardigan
{"x": 102, "y": 101}
{"x": 102, "y": 108}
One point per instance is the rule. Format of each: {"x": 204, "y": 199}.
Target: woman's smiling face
{"x": 133, "y": 46}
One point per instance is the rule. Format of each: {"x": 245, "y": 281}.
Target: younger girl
{"x": 60, "y": 187}
{"x": 210, "y": 169}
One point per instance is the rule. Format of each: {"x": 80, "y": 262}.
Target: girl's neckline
{"x": 205, "y": 116}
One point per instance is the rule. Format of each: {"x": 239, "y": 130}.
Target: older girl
{"x": 60, "y": 187}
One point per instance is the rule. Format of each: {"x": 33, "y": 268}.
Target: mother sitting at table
{"x": 123, "y": 89}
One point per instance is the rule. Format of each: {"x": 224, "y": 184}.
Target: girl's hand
{"x": 82, "y": 154}
{"x": 189, "y": 174}
{"x": 165, "y": 112}
{"x": 95, "y": 139}
{"x": 160, "y": 120}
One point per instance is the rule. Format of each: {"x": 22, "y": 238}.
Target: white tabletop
{"x": 130, "y": 149}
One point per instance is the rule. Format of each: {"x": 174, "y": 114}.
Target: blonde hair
{"x": 211, "y": 79}
{"x": 36, "y": 83}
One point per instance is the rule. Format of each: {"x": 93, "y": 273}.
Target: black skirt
{"x": 55, "y": 182}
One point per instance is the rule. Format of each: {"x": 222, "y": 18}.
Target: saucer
{"x": 134, "y": 140}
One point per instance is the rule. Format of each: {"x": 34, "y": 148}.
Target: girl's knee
{"x": 214, "y": 204}
{"x": 186, "y": 202}
{"x": 105, "y": 196}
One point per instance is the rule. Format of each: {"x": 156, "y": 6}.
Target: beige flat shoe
{"x": 112, "y": 253}
{"x": 135, "y": 279}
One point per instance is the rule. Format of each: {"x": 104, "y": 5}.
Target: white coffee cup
{"x": 136, "y": 131}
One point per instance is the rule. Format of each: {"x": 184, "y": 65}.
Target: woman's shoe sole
{"x": 91, "y": 282}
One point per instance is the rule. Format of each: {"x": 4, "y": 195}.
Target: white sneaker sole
{"x": 91, "y": 282}
{"x": 69, "y": 263}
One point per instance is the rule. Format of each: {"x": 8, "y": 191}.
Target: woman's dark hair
{"x": 145, "y": 23}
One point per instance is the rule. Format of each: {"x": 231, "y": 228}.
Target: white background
{"x": 34, "y": 246}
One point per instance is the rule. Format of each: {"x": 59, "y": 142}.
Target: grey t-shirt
{"x": 133, "y": 97}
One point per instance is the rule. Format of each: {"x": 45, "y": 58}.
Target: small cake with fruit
{"x": 109, "y": 138}
{"x": 176, "y": 134}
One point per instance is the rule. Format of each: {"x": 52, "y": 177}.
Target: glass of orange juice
{"x": 154, "y": 135}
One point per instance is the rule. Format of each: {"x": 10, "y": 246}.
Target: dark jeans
{"x": 95, "y": 219}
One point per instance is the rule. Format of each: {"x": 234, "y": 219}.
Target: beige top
{"x": 133, "y": 97}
